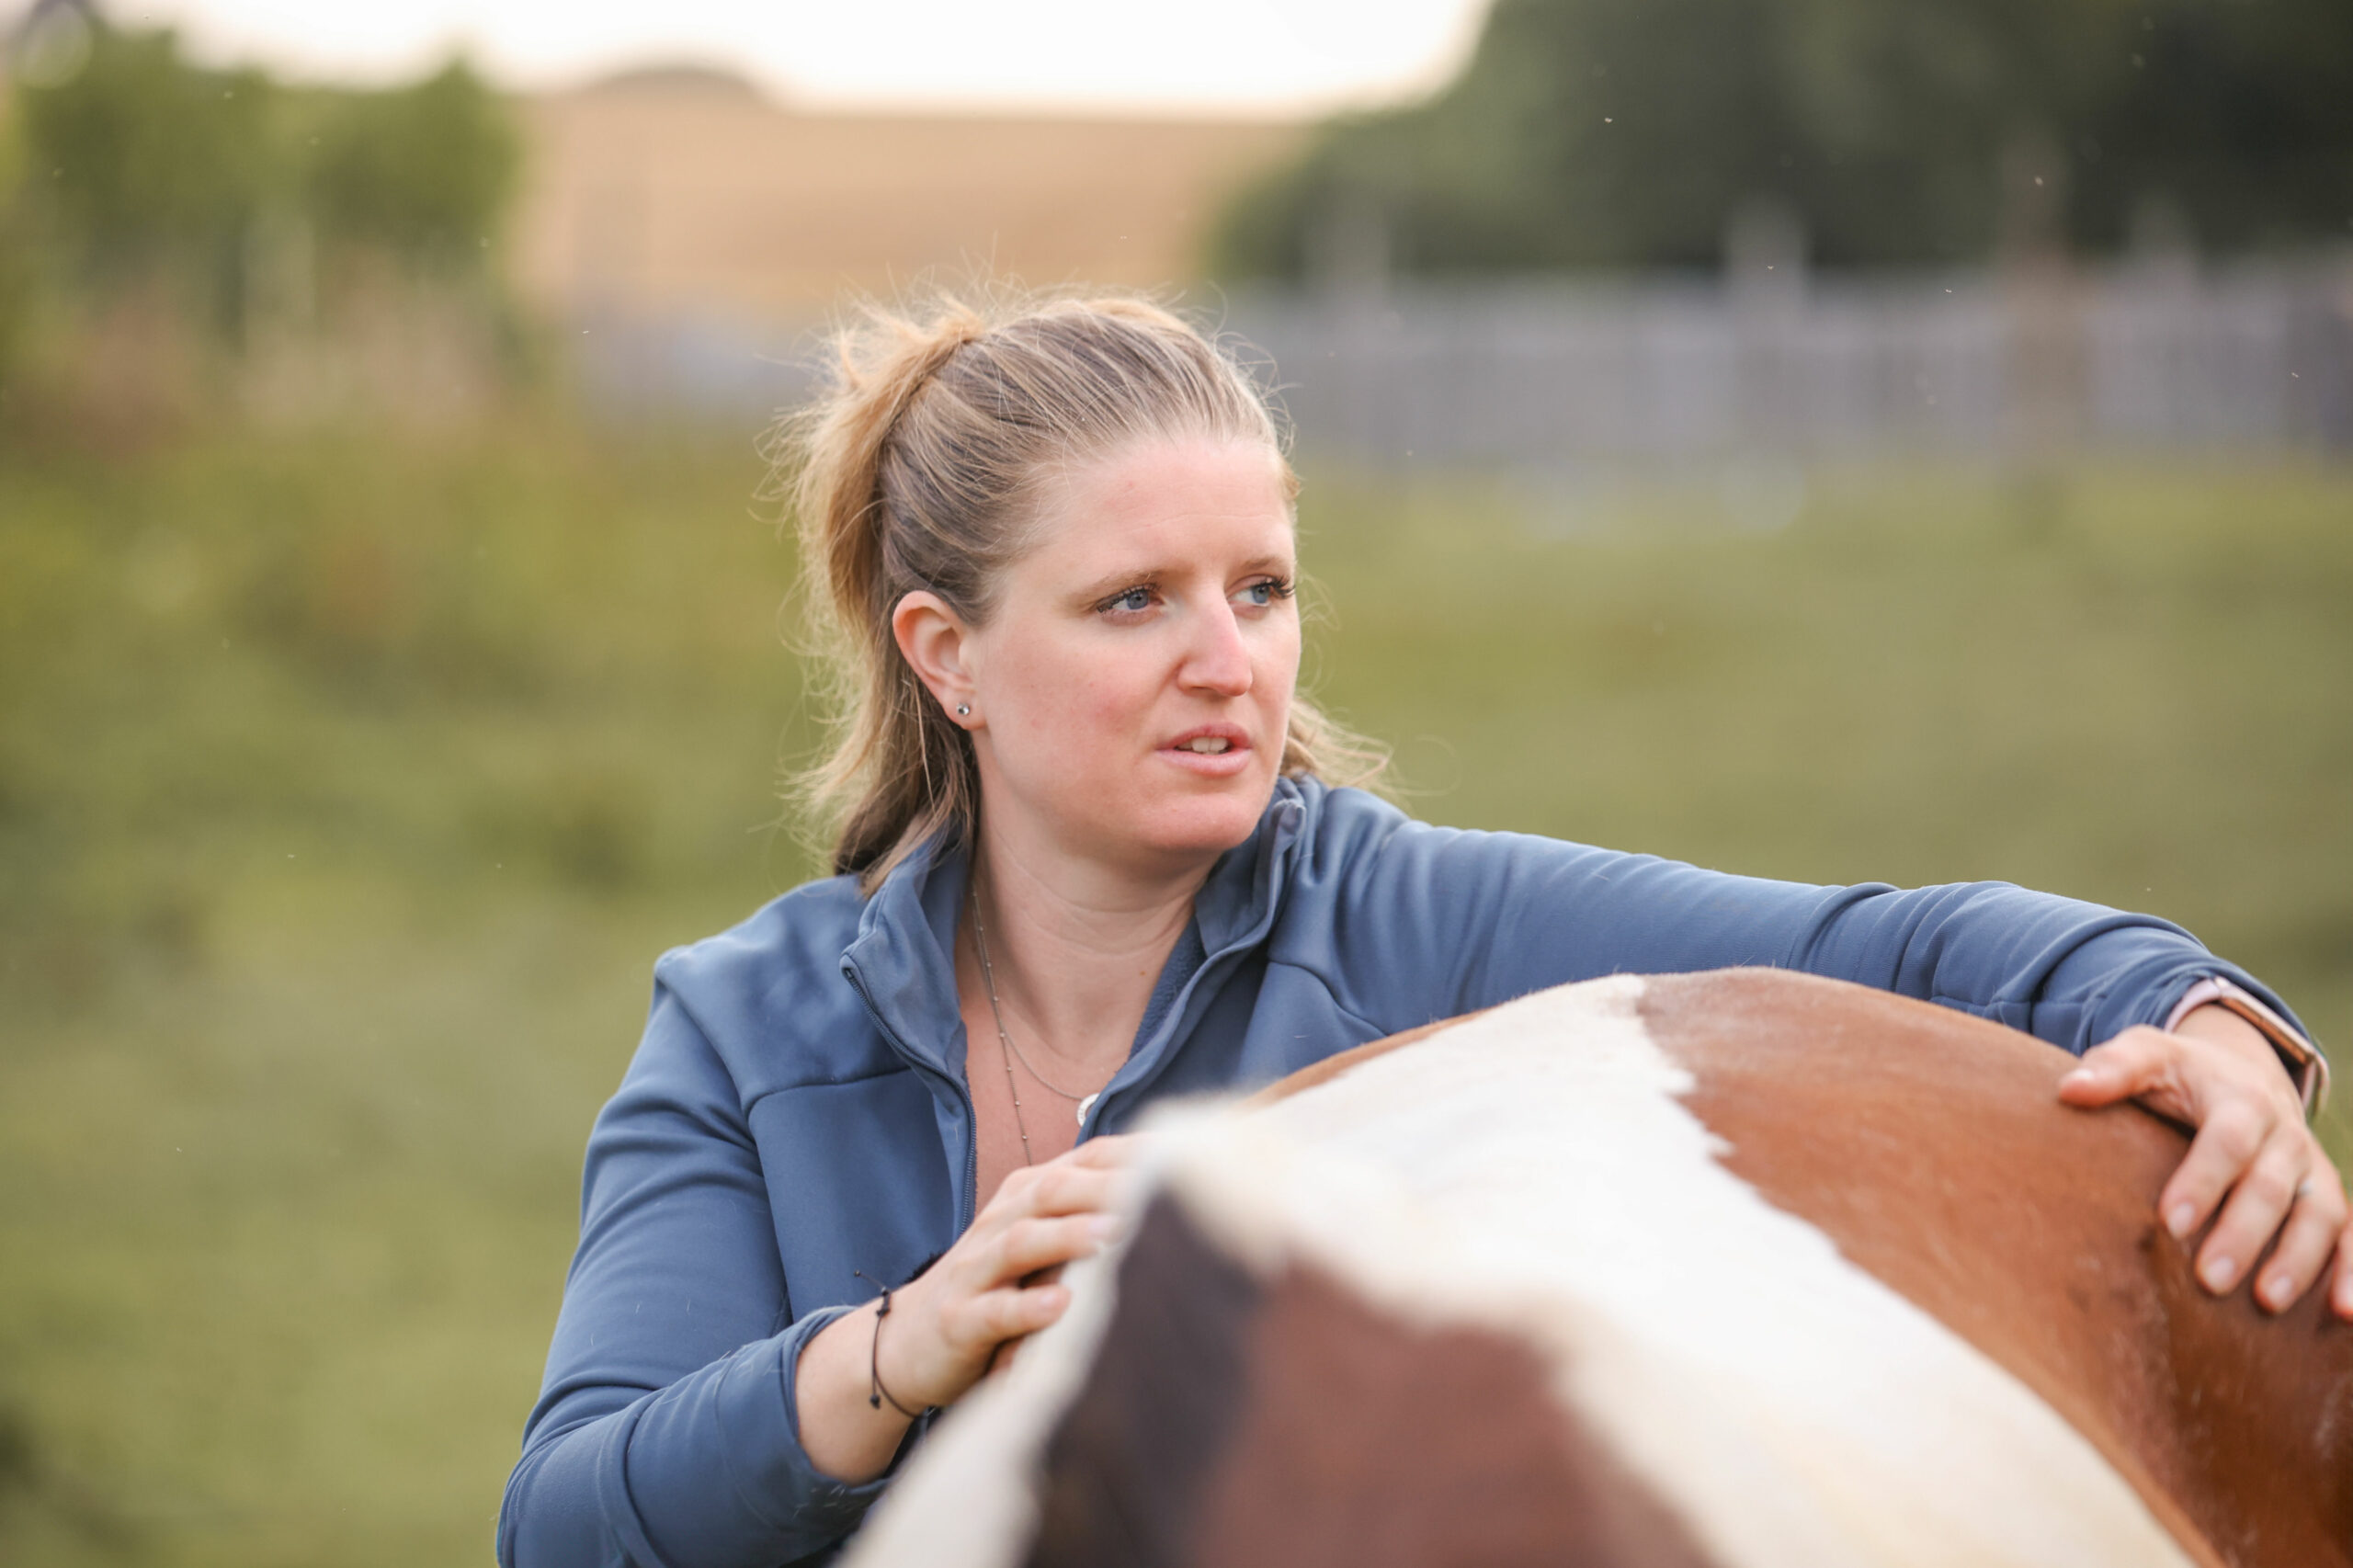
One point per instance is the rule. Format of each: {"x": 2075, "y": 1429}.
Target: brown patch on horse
{"x": 1931, "y": 1147}
{"x": 1126, "y": 1466}
{"x": 1369, "y": 1442}
{"x": 1235, "y": 1422}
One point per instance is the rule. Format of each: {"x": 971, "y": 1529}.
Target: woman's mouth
{"x": 1214, "y": 751}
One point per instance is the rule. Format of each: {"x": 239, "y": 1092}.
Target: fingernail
{"x": 2079, "y": 1075}
{"x": 1103, "y": 1227}
{"x": 2182, "y": 1218}
{"x": 2276, "y": 1292}
{"x": 2219, "y": 1274}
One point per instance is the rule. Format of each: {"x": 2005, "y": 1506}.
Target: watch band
{"x": 2306, "y": 1066}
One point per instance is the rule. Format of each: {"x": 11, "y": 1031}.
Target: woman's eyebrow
{"x": 1111, "y": 583}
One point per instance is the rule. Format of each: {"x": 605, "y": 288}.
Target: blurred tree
{"x": 2237, "y": 113}
{"x": 154, "y": 165}
{"x": 424, "y": 172}
{"x": 1627, "y": 132}
{"x": 160, "y": 169}
{"x": 166, "y": 224}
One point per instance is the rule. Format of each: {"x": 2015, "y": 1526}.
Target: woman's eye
{"x": 1266, "y": 591}
{"x": 1133, "y": 601}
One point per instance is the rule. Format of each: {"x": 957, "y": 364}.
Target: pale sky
{"x": 1284, "y": 57}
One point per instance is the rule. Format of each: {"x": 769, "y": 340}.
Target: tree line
{"x": 130, "y": 171}
{"x": 1629, "y": 133}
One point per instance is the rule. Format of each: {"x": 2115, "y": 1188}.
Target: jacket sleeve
{"x": 665, "y": 1435}
{"x": 1494, "y": 917}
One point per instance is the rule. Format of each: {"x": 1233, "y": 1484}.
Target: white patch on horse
{"x": 1533, "y": 1170}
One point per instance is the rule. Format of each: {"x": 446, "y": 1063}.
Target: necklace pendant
{"x": 1086, "y": 1105}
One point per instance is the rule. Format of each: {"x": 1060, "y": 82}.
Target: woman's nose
{"x": 1219, "y": 660}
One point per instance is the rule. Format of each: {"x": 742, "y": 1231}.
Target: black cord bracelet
{"x": 876, "y": 1394}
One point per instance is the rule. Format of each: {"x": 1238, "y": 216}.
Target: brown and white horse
{"x": 1725, "y": 1270}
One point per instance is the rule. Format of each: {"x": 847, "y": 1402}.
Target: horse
{"x": 1727, "y": 1270}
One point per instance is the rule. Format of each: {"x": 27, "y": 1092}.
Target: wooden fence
{"x": 1559, "y": 375}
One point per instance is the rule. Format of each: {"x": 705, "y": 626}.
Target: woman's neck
{"x": 1073, "y": 948}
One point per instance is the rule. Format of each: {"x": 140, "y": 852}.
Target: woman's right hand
{"x": 996, "y": 1285}
{"x": 1001, "y": 1280}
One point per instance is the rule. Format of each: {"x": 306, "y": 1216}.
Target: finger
{"x": 2257, "y": 1204}
{"x": 2217, "y": 1157}
{"x": 1050, "y": 1193}
{"x": 1030, "y": 1246}
{"x": 1001, "y": 1359}
{"x": 1113, "y": 1149}
{"x": 1077, "y": 1190}
{"x": 2304, "y": 1241}
{"x": 999, "y": 1316}
{"x": 968, "y": 1336}
{"x": 2138, "y": 1061}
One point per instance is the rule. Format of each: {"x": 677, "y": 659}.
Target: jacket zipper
{"x": 965, "y": 1204}
{"x": 1192, "y": 988}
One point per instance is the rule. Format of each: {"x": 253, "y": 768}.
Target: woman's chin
{"x": 1205, "y": 823}
{"x": 1155, "y": 821}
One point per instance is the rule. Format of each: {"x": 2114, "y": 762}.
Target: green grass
{"x": 2134, "y": 686}
{"x": 350, "y": 785}
{"x": 349, "y": 793}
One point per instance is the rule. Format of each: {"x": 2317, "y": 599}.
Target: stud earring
{"x": 963, "y": 710}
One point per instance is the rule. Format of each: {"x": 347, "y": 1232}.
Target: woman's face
{"x": 1131, "y": 692}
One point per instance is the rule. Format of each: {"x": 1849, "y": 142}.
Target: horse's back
{"x": 1729, "y": 1269}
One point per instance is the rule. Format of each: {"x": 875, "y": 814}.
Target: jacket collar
{"x": 902, "y": 959}
{"x": 1238, "y": 903}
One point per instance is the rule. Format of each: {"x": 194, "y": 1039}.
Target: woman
{"x": 1092, "y": 856}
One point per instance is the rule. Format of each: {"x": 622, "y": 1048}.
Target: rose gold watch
{"x": 2306, "y": 1065}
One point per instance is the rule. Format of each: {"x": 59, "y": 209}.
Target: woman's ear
{"x": 934, "y": 640}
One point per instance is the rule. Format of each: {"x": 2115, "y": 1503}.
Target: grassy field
{"x": 348, "y": 788}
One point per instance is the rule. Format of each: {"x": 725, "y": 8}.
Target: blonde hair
{"x": 920, "y": 468}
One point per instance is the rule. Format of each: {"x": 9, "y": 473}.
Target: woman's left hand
{"x": 2252, "y": 1157}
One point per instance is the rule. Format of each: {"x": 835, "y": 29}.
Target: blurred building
{"x": 697, "y": 226}
{"x": 1570, "y": 381}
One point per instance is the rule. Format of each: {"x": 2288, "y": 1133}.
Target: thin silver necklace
{"x": 1009, "y": 1050}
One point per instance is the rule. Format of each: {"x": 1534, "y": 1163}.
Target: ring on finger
{"x": 2304, "y": 1189}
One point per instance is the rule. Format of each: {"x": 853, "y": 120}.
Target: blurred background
{"x": 1833, "y": 439}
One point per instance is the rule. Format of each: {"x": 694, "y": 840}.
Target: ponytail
{"x": 907, "y": 771}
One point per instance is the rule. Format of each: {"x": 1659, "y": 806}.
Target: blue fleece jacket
{"x": 795, "y": 1127}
